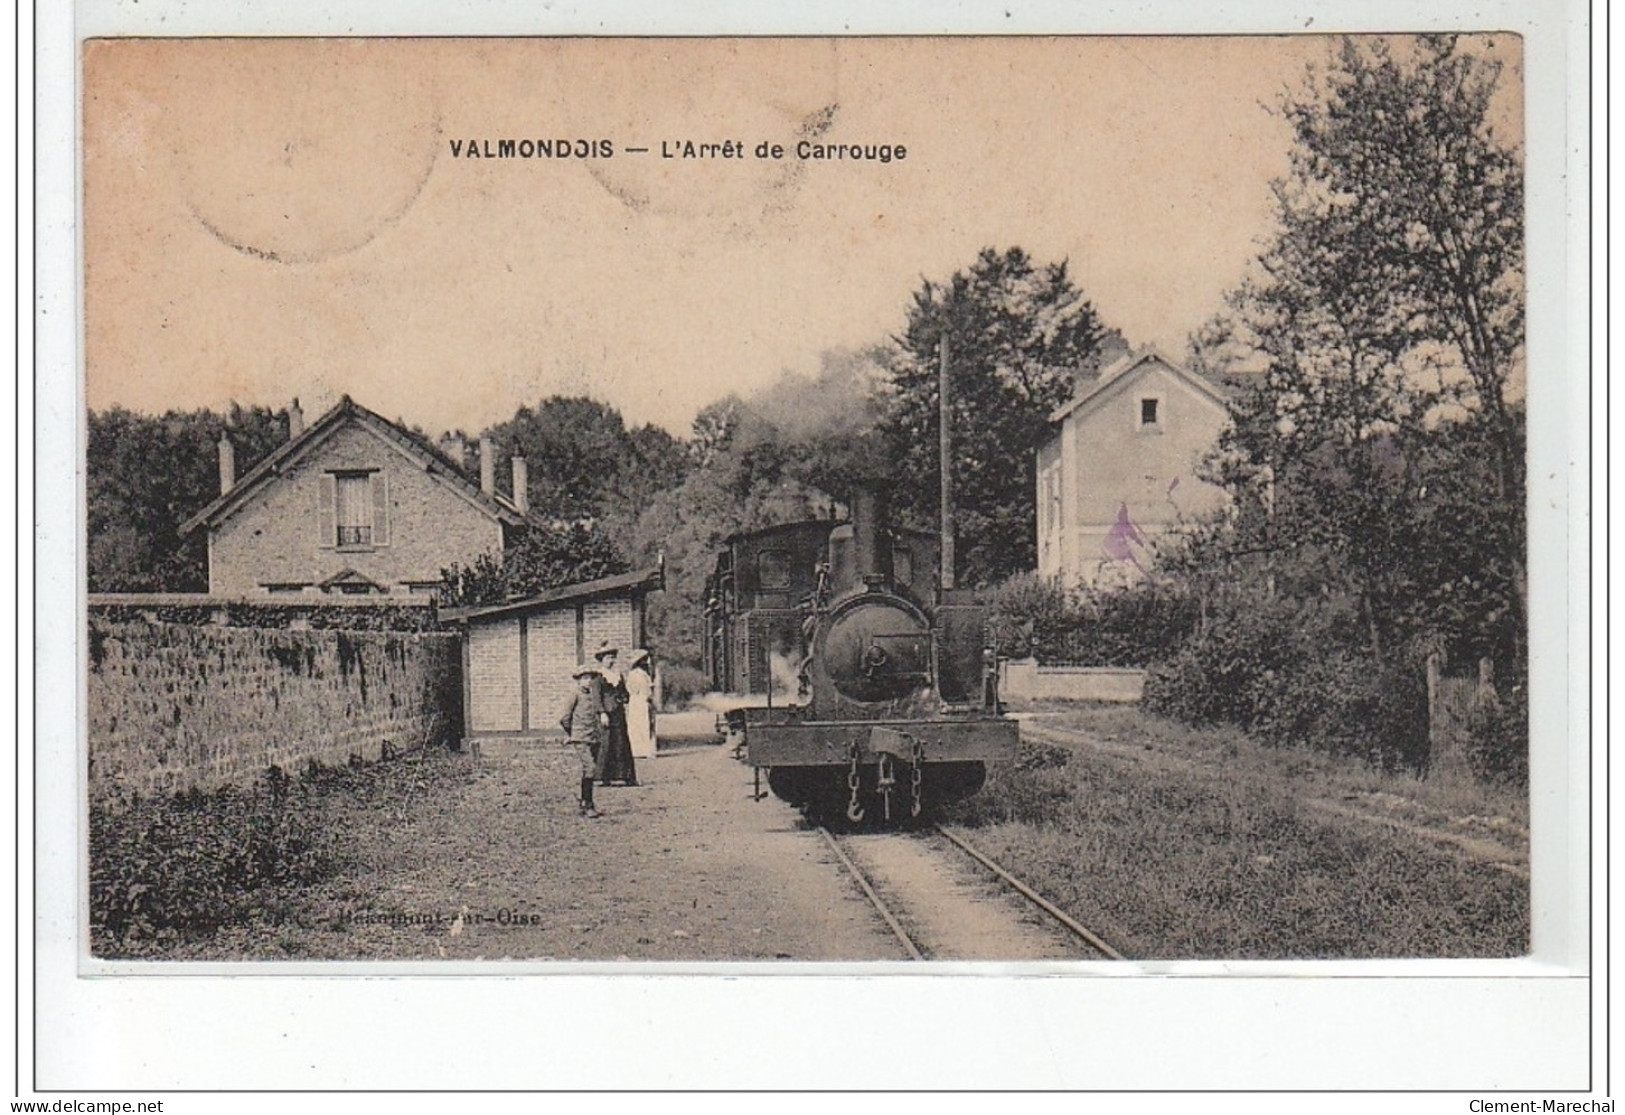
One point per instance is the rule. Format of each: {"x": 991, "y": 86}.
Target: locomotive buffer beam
{"x": 826, "y": 743}
{"x": 889, "y": 741}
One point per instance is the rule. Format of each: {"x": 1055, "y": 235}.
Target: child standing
{"x": 583, "y": 728}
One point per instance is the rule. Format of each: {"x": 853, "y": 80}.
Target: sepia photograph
{"x": 1042, "y": 499}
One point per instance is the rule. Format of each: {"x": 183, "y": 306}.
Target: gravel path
{"x": 683, "y": 867}
{"x": 485, "y": 857}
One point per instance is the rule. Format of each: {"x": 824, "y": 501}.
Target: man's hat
{"x": 584, "y": 671}
{"x": 606, "y": 648}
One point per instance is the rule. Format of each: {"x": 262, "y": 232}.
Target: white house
{"x": 1121, "y": 469}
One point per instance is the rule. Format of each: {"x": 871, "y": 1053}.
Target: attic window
{"x": 354, "y": 511}
{"x": 1149, "y": 412}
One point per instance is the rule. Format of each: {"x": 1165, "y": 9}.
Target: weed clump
{"x": 178, "y": 867}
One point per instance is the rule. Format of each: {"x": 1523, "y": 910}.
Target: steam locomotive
{"x": 875, "y": 691}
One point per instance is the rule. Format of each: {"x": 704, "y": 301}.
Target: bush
{"x": 1036, "y": 617}
{"x": 681, "y": 684}
{"x": 1227, "y": 671}
{"x": 1346, "y": 704}
{"x": 1296, "y": 674}
{"x": 1027, "y": 609}
{"x": 186, "y": 864}
{"x": 1131, "y": 627}
{"x": 1498, "y": 737}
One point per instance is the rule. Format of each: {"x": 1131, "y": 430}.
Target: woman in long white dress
{"x": 640, "y": 712}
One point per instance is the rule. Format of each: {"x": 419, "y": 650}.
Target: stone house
{"x": 1121, "y": 469}
{"x": 518, "y": 656}
{"x": 353, "y": 505}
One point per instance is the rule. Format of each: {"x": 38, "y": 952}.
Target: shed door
{"x": 495, "y": 677}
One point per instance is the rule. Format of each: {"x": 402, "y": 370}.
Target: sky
{"x": 265, "y": 219}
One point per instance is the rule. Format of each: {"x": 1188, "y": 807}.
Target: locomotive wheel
{"x": 952, "y": 781}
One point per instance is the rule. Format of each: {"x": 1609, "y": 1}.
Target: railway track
{"x": 931, "y": 910}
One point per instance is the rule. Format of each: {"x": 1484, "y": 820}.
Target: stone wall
{"x": 1025, "y": 680}
{"x": 171, "y": 707}
{"x": 347, "y": 613}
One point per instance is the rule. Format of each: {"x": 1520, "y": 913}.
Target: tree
{"x": 746, "y": 479}
{"x": 582, "y": 459}
{"x": 1401, "y": 248}
{"x": 145, "y": 476}
{"x": 1382, "y": 456}
{"x": 1018, "y": 334}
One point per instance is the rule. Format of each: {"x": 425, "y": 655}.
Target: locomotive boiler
{"x": 876, "y": 693}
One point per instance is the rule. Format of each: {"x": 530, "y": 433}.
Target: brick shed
{"x": 517, "y": 656}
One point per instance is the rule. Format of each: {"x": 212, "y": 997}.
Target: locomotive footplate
{"x": 785, "y": 743}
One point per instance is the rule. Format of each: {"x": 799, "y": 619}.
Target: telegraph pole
{"x": 945, "y": 446}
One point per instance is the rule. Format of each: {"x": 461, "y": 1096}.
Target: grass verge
{"x": 1221, "y": 856}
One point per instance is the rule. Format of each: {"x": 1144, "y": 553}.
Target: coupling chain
{"x": 915, "y": 773}
{"x": 854, "y": 809}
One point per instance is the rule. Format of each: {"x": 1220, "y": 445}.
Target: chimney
{"x": 296, "y": 420}
{"x": 228, "y": 464}
{"x": 453, "y": 447}
{"x": 488, "y": 467}
{"x": 521, "y": 484}
{"x": 871, "y": 536}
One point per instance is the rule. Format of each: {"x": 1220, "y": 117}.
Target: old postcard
{"x": 636, "y": 505}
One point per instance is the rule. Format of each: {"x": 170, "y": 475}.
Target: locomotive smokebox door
{"x": 875, "y": 648}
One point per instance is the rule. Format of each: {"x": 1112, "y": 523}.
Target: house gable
{"x": 1122, "y": 468}
{"x": 351, "y": 502}
{"x": 350, "y": 413}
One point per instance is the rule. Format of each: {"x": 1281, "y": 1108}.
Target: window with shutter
{"x": 327, "y": 501}
{"x": 354, "y": 509}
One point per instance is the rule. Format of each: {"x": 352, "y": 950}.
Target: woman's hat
{"x": 639, "y": 655}
{"x": 584, "y": 672}
{"x": 605, "y": 649}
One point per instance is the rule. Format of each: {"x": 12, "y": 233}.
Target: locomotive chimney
{"x": 871, "y": 543}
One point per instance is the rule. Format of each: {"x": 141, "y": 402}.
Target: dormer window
{"x": 1150, "y": 413}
